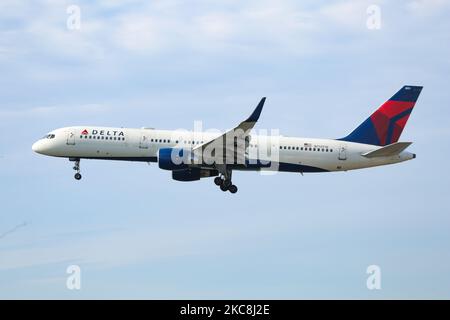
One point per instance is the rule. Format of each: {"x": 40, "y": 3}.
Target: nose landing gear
{"x": 76, "y": 167}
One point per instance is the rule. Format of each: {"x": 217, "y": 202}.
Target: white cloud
{"x": 216, "y": 26}
{"x": 139, "y": 33}
{"x": 158, "y": 27}
{"x": 427, "y": 7}
{"x": 127, "y": 247}
{"x": 351, "y": 14}
{"x": 52, "y": 111}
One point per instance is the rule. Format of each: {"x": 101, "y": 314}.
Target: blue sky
{"x": 135, "y": 233}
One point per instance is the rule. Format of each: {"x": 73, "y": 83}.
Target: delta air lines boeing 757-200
{"x": 191, "y": 156}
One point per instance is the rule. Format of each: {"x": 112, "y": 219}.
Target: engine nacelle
{"x": 192, "y": 174}
{"x": 174, "y": 159}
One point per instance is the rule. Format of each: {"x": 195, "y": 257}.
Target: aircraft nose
{"x": 37, "y": 146}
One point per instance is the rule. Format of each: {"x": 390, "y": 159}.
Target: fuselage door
{"x": 70, "y": 138}
{"x": 342, "y": 153}
{"x": 144, "y": 142}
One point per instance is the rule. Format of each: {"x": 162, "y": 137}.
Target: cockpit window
{"x": 49, "y": 136}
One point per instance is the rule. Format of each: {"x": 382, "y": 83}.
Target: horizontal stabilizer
{"x": 388, "y": 151}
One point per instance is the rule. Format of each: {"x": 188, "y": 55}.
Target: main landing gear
{"x": 76, "y": 167}
{"x": 225, "y": 184}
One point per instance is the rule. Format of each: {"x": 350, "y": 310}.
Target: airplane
{"x": 191, "y": 156}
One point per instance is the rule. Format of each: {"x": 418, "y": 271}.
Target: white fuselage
{"x": 292, "y": 154}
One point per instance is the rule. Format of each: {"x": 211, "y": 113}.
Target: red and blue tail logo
{"x": 385, "y": 125}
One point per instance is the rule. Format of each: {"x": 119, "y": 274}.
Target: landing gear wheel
{"x": 218, "y": 181}
{"x": 76, "y": 167}
{"x": 224, "y": 180}
{"x": 227, "y": 183}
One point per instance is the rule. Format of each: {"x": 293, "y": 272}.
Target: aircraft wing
{"x": 233, "y": 144}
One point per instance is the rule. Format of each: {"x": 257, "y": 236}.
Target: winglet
{"x": 255, "y": 115}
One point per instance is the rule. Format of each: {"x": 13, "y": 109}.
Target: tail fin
{"x": 385, "y": 125}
